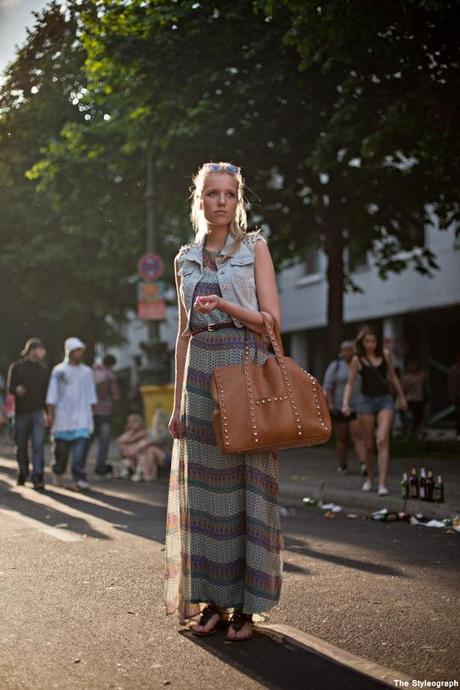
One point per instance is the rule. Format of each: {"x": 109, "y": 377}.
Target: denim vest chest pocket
{"x": 243, "y": 270}
{"x": 243, "y": 280}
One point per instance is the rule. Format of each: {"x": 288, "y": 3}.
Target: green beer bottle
{"x": 439, "y": 490}
{"x": 404, "y": 486}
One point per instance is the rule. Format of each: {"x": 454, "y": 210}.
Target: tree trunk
{"x": 333, "y": 246}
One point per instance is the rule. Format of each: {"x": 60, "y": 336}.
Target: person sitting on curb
{"x": 160, "y": 436}
{"x": 135, "y": 446}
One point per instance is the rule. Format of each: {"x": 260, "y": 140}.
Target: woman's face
{"x": 370, "y": 343}
{"x": 134, "y": 423}
{"x": 219, "y": 198}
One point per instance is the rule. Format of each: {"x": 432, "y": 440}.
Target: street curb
{"x": 368, "y": 501}
{"x": 285, "y": 634}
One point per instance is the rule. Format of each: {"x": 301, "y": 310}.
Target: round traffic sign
{"x": 150, "y": 267}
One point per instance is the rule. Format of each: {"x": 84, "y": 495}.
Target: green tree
{"x": 356, "y": 140}
{"x": 343, "y": 146}
{"x": 69, "y": 239}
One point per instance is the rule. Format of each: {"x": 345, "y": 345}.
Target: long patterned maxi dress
{"x": 223, "y": 535}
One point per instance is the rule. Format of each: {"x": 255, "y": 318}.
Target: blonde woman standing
{"x": 223, "y": 537}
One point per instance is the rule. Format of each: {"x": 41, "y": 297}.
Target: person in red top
{"x": 107, "y": 394}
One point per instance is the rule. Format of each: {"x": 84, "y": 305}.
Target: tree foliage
{"x": 342, "y": 115}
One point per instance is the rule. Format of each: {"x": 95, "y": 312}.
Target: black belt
{"x": 214, "y": 327}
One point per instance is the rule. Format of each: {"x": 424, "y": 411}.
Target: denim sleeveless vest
{"x": 235, "y": 274}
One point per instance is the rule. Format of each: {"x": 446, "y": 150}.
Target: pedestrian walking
{"x": 28, "y": 383}
{"x": 346, "y": 429}
{"x": 413, "y": 382}
{"x": 453, "y": 390}
{"x": 223, "y": 542}
{"x": 375, "y": 401}
{"x": 70, "y": 399}
{"x": 108, "y": 393}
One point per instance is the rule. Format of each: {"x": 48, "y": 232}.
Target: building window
{"x": 311, "y": 262}
{"x": 416, "y": 235}
{"x": 357, "y": 259}
{"x": 312, "y": 268}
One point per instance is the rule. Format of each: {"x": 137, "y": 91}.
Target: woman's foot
{"x": 210, "y": 622}
{"x": 367, "y": 486}
{"x": 382, "y": 491}
{"x": 241, "y": 627}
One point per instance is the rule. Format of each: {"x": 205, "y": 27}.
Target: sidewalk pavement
{"x": 312, "y": 472}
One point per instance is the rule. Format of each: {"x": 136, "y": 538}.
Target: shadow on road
{"x": 283, "y": 667}
{"x": 50, "y": 517}
{"x": 299, "y": 546}
{"x": 136, "y": 516}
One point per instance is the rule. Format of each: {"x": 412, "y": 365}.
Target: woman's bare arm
{"x": 349, "y": 385}
{"x": 393, "y": 377}
{"x": 181, "y": 345}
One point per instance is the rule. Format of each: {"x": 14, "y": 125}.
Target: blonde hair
{"x": 238, "y": 226}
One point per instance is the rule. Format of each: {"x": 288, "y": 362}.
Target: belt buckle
{"x": 210, "y": 326}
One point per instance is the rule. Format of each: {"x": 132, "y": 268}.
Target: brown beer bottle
{"x": 429, "y": 486}
{"x": 413, "y": 483}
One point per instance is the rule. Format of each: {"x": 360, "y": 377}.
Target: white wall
{"x": 304, "y": 299}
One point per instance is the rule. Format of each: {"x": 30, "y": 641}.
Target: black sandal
{"x": 206, "y": 616}
{"x": 237, "y": 621}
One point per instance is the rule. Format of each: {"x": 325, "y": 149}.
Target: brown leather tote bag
{"x": 268, "y": 407}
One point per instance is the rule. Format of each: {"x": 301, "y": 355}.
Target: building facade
{"x": 418, "y": 316}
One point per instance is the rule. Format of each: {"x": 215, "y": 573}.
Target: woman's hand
{"x": 346, "y": 410}
{"x": 174, "y": 423}
{"x": 403, "y": 403}
{"x": 207, "y": 303}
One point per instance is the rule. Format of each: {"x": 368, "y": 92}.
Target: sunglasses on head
{"x": 218, "y": 167}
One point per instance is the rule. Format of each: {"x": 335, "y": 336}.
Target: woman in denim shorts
{"x": 375, "y": 402}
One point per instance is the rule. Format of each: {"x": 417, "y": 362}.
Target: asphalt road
{"x": 81, "y": 598}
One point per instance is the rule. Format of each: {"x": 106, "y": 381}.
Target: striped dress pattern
{"x": 223, "y": 533}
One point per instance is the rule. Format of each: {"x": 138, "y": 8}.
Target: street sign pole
{"x": 155, "y": 371}
{"x": 153, "y": 326}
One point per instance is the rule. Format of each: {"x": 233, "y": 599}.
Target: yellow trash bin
{"x": 157, "y": 396}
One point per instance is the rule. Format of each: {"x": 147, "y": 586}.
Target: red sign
{"x": 150, "y": 267}
{"x": 154, "y": 311}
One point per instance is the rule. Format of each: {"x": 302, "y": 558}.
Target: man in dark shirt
{"x": 28, "y": 382}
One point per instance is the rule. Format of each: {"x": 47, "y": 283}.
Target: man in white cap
{"x": 70, "y": 400}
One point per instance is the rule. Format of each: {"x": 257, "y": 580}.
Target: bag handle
{"x": 273, "y": 331}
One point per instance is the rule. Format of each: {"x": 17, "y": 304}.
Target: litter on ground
{"x": 331, "y": 506}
